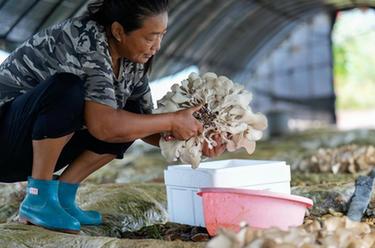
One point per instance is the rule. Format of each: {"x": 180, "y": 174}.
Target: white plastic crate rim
{"x": 227, "y": 173}
{"x": 183, "y": 182}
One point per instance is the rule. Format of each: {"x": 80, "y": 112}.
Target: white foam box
{"x": 183, "y": 182}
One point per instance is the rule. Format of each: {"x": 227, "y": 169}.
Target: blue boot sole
{"x": 27, "y": 221}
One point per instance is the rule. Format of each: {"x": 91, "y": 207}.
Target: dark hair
{"x": 129, "y": 13}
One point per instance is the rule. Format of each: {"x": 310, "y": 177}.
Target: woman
{"x": 77, "y": 94}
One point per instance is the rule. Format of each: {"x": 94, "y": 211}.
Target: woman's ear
{"x": 117, "y": 31}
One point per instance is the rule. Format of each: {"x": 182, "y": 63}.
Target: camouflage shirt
{"x": 77, "y": 46}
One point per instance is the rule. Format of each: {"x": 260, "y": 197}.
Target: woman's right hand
{"x": 185, "y": 125}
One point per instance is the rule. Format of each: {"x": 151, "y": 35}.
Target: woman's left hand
{"x": 216, "y": 150}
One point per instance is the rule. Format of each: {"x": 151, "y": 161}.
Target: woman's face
{"x": 141, "y": 44}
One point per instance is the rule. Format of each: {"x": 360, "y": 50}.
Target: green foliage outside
{"x": 354, "y": 59}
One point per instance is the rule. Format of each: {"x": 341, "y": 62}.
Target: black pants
{"x": 54, "y": 108}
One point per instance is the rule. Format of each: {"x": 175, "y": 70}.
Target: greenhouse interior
{"x": 285, "y": 151}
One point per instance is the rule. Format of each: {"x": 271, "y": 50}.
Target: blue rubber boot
{"x": 41, "y": 207}
{"x": 67, "y": 197}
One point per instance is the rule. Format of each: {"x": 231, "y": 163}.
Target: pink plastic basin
{"x": 227, "y": 207}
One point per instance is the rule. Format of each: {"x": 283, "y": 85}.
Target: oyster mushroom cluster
{"x": 225, "y": 111}
{"x": 338, "y": 232}
{"x": 345, "y": 159}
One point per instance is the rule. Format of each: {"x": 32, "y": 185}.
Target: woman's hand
{"x": 216, "y": 150}
{"x": 119, "y": 126}
{"x": 185, "y": 125}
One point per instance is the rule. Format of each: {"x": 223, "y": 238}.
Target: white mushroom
{"x": 226, "y": 112}
{"x": 335, "y": 232}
